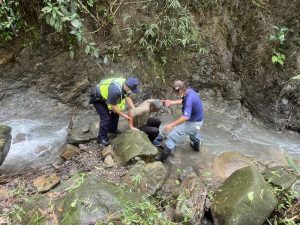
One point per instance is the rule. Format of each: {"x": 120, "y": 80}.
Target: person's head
{"x": 155, "y": 105}
{"x": 131, "y": 85}
{"x": 179, "y": 87}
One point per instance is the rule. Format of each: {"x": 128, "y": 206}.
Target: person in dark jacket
{"x": 109, "y": 98}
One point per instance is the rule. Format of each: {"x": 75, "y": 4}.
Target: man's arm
{"x": 118, "y": 111}
{"x": 129, "y": 102}
{"x": 170, "y": 126}
{"x": 172, "y": 102}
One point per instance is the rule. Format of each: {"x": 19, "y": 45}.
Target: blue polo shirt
{"x": 192, "y": 106}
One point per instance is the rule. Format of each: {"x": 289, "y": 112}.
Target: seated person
{"x": 141, "y": 119}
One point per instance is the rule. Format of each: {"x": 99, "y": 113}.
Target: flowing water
{"x": 38, "y": 133}
{"x": 220, "y": 134}
{"x": 38, "y": 138}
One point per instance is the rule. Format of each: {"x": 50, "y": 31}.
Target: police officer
{"x": 109, "y": 98}
{"x": 188, "y": 124}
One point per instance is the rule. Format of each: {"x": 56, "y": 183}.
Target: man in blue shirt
{"x": 188, "y": 124}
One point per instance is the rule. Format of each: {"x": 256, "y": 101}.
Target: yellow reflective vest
{"x": 103, "y": 86}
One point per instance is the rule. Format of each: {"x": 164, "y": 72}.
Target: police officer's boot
{"x": 163, "y": 155}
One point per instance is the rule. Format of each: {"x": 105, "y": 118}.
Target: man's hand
{"x": 167, "y": 102}
{"x": 126, "y": 117}
{"x": 168, "y": 128}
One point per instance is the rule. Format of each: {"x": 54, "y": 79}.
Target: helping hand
{"x": 167, "y": 102}
{"x": 168, "y": 128}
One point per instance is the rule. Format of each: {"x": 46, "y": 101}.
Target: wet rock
{"x": 20, "y": 137}
{"x": 131, "y": 144}
{"x": 245, "y": 198}
{"x": 228, "y": 162}
{"x": 5, "y": 141}
{"x": 281, "y": 176}
{"x": 45, "y": 183}
{"x": 77, "y": 136}
{"x": 80, "y": 200}
{"x": 146, "y": 178}
{"x": 70, "y": 151}
{"x": 77, "y": 89}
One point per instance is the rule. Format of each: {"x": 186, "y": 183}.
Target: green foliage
{"x": 278, "y": 58}
{"x": 10, "y": 20}
{"x": 297, "y": 77}
{"x": 289, "y": 158}
{"x": 171, "y": 28}
{"x": 278, "y": 40}
{"x": 280, "y": 34}
{"x": 286, "y": 213}
{"x": 77, "y": 183}
{"x": 64, "y": 15}
{"x": 143, "y": 213}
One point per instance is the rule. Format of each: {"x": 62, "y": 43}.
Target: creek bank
{"x": 187, "y": 197}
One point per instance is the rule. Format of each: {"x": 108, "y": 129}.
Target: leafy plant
{"x": 297, "y": 77}
{"x": 278, "y": 58}
{"x": 64, "y": 15}
{"x": 10, "y": 20}
{"x": 278, "y": 40}
{"x": 172, "y": 28}
{"x": 279, "y": 37}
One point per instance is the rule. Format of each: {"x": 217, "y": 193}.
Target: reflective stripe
{"x": 104, "y": 85}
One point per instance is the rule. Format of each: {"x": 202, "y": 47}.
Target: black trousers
{"x": 108, "y": 119}
{"x": 151, "y": 128}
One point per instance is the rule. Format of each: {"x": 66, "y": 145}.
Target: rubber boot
{"x": 164, "y": 155}
{"x": 195, "y": 143}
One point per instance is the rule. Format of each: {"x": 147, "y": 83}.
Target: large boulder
{"x": 81, "y": 200}
{"x": 5, "y": 141}
{"x": 131, "y": 144}
{"x": 146, "y": 178}
{"x": 245, "y": 198}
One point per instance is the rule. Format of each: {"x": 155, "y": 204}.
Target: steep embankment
{"x": 230, "y": 54}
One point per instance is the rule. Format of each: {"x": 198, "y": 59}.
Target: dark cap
{"x": 178, "y": 85}
{"x": 132, "y": 83}
{"x": 157, "y": 104}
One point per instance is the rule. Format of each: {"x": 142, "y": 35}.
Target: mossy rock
{"x": 281, "y": 176}
{"x": 132, "y": 144}
{"x": 5, "y": 141}
{"x": 245, "y": 198}
{"x": 80, "y": 201}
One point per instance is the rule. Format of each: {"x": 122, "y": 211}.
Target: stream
{"x": 38, "y": 138}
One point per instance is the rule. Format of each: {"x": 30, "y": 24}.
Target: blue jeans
{"x": 181, "y": 131}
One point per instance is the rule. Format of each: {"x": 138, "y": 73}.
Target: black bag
{"x": 94, "y": 96}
